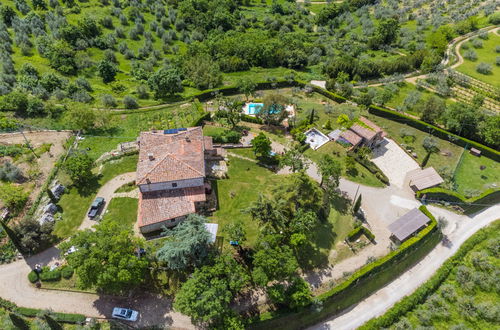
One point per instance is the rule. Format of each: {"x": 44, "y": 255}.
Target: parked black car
{"x": 95, "y": 207}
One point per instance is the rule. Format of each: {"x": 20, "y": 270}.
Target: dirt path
{"x": 107, "y": 192}
{"x": 458, "y": 230}
{"x": 456, "y": 49}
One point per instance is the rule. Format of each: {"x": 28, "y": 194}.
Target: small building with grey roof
{"x": 409, "y": 224}
{"x": 423, "y": 179}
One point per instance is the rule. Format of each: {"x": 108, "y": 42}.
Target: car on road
{"x": 95, "y": 207}
{"x": 125, "y": 314}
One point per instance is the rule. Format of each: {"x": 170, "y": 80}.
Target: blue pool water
{"x": 253, "y": 108}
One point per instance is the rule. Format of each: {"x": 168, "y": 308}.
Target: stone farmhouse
{"x": 171, "y": 176}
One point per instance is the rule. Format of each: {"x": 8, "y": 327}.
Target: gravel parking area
{"x": 394, "y": 162}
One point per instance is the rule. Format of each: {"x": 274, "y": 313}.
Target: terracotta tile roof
{"x": 365, "y": 133}
{"x": 163, "y": 205}
{"x": 370, "y": 124}
{"x": 178, "y": 156}
{"x": 351, "y": 137}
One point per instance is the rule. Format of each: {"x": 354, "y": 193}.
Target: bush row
{"x": 370, "y": 166}
{"x": 31, "y": 312}
{"x": 48, "y": 275}
{"x": 434, "y": 130}
{"x": 474, "y": 204}
{"x": 363, "y": 282}
{"x": 358, "y": 231}
{"x": 251, "y": 119}
{"x": 59, "y": 317}
{"x": 428, "y": 288}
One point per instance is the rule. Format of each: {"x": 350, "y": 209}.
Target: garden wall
{"x": 361, "y": 284}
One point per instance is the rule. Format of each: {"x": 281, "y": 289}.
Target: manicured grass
{"x": 246, "y": 181}
{"x": 75, "y": 203}
{"x": 437, "y": 160}
{"x": 469, "y": 175}
{"x": 122, "y": 210}
{"x": 486, "y": 54}
{"x": 70, "y": 284}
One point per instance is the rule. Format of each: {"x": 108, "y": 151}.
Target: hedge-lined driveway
{"x": 459, "y": 229}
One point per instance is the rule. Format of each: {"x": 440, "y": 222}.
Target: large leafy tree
{"x": 107, "y": 71}
{"x": 463, "y": 119}
{"x": 431, "y": 109}
{"x": 489, "y": 129}
{"x": 330, "y": 170}
{"x": 273, "y": 263}
{"x": 206, "y": 295}
{"x": 202, "y": 71}
{"x": 247, "y": 86}
{"x": 165, "y": 82}
{"x": 106, "y": 259}
{"x": 273, "y": 110}
{"x": 188, "y": 245}
{"x": 261, "y": 145}
{"x": 79, "y": 167}
{"x": 229, "y": 111}
{"x": 294, "y": 159}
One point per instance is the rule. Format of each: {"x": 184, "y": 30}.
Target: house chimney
{"x": 188, "y": 139}
{"x": 151, "y": 157}
{"x": 148, "y": 181}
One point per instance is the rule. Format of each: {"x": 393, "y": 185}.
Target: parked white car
{"x": 125, "y": 314}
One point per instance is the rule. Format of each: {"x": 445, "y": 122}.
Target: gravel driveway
{"x": 394, "y": 162}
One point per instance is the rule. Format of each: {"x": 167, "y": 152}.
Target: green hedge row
{"x": 408, "y": 303}
{"x": 363, "y": 282}
{"x": 59, "y": 317}
{"x": 370, "y": 166}
{"x": 358, "y": 231}
{"x": 47, "y": 275}
{"x": 332, "y": 96}
{"x": 199, "y": 121}
{"x": 434, "y": 130}
{"x": 251, "y": 119}
{"x": 32, "y": 312}
{"x": 474, "y": 204}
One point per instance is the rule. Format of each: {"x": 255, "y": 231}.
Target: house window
{"x": 174, "y": 184}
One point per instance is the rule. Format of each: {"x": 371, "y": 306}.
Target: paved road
{"x": 459, "y": 229}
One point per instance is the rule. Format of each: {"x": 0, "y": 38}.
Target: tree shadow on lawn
{"x": 315, "y": 253}
{"x": 340, "y": 202}
{"x": 90, "y": 187}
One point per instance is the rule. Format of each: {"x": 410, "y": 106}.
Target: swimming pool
{"x": 253, "y": 108}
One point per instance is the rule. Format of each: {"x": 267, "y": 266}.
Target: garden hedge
{"x": 31, "y": 312}
{"x": 408, "y": 303}
{"x": 50, "y": 275}
{"x": 434, "y": 130}
{"x": 33, "y": 276}
{"x": 470, "y": 205}
{"x": 67, "y": 271}
{"x": 358, "y": 231}
{"x": 362, "y": 283}
{"x": 370, "y": 166}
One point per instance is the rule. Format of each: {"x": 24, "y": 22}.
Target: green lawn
{"x": 75, "y": 202}
{"x": 486, "y": 54}
{"x": 469, "y": 175}
{"x": 122, "y": 210}
{"x": 246, "y": 180}
{"x": 448, "y": 154}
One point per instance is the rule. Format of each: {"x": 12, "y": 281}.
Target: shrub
{"x": 470, "y": 55}
{"x": 108, "y": 101}
{"x": 484, "y": 68}
{"x": 483, "y": 35}
{"x": 497, "y": 60}
{"x": 48, "y": 275}
{"x": 67, "y": 272}
{"x": 33, "y": 276}
{"x": 130, "y": 102}
{"x": 476, "y": 43}
{"x": 497, "y": 49}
